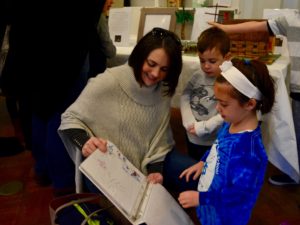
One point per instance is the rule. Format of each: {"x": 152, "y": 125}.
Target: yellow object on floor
{"x": 11, "y": 188}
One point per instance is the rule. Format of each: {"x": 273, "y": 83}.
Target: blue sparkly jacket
{"x": 237, "y": 178}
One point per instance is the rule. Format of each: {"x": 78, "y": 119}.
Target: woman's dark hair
{"x": 214, "y": 37}
{"x": 158, "y": 38}
{"x": 257, "y": 73}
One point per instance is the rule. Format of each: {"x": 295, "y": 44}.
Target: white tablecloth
{"x": 277, "y": 127}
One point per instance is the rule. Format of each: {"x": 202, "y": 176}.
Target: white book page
{"x": 116, "y": 177}
{"x": 159, "y": 207}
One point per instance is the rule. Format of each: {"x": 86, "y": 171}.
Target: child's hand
{"x": 189, "y": 199}
{"x": 92, "y": 144}
{"x": 191, "y": 129}
{"x": 197, "y": 169}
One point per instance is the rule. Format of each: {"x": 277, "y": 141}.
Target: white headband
{"x": 239, "y": 81}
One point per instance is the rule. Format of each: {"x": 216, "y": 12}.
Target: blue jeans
{"x": 48, "y": 150}
{"x": 174, "y": 164}
{"x": 89, "y": 186}
{"x": 51, "y": 157}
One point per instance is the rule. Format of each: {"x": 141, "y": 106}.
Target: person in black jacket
{"x": 50, "y": 43}
{"x": 16, "y": 103}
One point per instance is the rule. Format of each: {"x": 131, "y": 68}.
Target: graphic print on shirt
{"x": 201, "y": 101}
{"x": 209, "y": 169}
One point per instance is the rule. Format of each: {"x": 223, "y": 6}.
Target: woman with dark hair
{"x": 129, "y": 105}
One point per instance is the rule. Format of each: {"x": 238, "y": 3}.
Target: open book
{"x": 127, "y": 188}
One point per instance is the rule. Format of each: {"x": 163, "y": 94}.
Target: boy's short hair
{"x": 214, "y": 37}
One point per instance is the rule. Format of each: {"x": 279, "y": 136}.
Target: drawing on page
{"x": 112, "y": 183}
{"x": 115, "y": 186}
{"x": 127, "y": 166}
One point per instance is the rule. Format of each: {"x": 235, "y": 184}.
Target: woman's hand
{"x": 155, "y": 178}
{"x": 189, "y": 199}
{"x": 215, "y": 24}
{"x": 197, "y": 169}
{"x": 92, "y": 144}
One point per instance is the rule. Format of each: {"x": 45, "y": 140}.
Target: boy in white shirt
{"x": 197, "y": 103}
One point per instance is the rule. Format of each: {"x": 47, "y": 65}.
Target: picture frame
{"x": 225, "y": 16}
{"x": 204, "y": 14}
{"x": 156, "y": 17}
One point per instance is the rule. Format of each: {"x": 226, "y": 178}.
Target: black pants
{"x": 196, "y": 151}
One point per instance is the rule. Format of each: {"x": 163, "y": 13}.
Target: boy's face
{"x": 210, "y": 60}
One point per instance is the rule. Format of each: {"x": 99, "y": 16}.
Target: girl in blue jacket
{"x": 232, "y": 172}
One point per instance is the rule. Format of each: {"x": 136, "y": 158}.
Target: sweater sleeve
{"x": 185, "y": 108}
{"x": 78, "y": 136}
{"x": 205, "y": 127}
{"x": 155, "y": 167}
{"x": 107, "y": 45}
{"x": 278, "y": 25}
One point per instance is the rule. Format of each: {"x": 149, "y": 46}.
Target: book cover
{"x": 127, "y": 188}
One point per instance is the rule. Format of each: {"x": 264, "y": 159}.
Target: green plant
{"x": 183, "y": 16}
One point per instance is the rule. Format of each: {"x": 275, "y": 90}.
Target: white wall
{"x": 148, "y": 3}
{"x": 118, "y": 3}
{"x": 253, "y": 9}
{"x": 247, "y": 9}
{"x": 261, "y": 5}
{"x": 291, "y": 4}
{"x": 151, "y": 3}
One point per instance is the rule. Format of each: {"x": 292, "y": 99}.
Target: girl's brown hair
{"x": 257, "y": 73}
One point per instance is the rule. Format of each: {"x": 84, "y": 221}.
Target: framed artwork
{"x": 205, "y": 14}
{"x": 225, "y": 16}
{"x": 156, "y": 17}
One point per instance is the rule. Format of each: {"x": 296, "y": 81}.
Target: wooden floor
{"x": 30, "y": 205}
{"x": 275, "y": 206}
